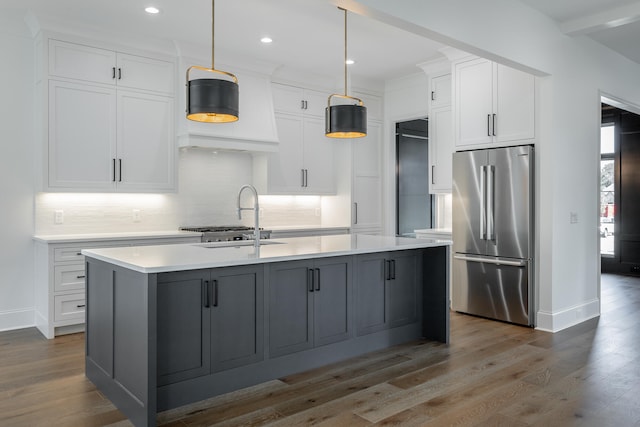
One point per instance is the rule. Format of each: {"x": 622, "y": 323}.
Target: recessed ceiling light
{"x": 350, "y": 62}
{"x": 152, "y": 10}
{"x": 266, "y": 40}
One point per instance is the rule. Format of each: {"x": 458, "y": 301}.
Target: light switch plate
{"x": 58, "y": 216}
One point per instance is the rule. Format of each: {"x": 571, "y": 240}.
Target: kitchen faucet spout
{"x": 256, "y": 209}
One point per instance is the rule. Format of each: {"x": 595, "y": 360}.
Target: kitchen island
{"x": 174, "y": 324}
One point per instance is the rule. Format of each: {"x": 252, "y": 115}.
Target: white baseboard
{"x": 17, "y": 319}
{"x": 563, "y": 319}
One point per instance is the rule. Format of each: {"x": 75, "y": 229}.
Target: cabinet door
{"x": 441, "y": 91}
{"x": 139, "y": 72}
{"x": 237, "y": 317}
{"x": 317, "y": 158}
{"x": 183, "y": 326}
{"x": 285, "y": 171}
{"x": 515, "y": 105}
{"x": 82, "y": 136}
{"x": 440, "y": 150}
{"x": 370, "y": 293}
{"x": 80, "y": 62}
{"x": 402, "y": 286}
{"x": 367, "y": 202}
{"x": 146, "y": 147}
{"x": 287, "y": 99}
{"x": 474, "y": 102}
{"x": 366, "y": 151}
{"x": 332, "y": 283}
{"x": 315, "y": 103}
{"x": 290, "y": 308}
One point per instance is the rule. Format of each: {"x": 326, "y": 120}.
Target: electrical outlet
{"x": 573, "y": 217}
{"x": 59, "y": 216}
{"x": 318, "y": 211}
{"x": 136, "y": 215}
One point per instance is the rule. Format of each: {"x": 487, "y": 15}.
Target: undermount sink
{"x": 235, "y": 243}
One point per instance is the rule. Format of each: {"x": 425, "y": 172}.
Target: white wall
{"x": 16, "y": 172}
{"x": 574, "y": 72}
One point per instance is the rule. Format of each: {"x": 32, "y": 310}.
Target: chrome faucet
{"x": 256, "y": 209}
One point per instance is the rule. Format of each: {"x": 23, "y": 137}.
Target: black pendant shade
{"x": 346, "y": 121}
{"x": 212, "y": 100}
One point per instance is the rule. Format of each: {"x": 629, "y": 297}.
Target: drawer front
{"x": 68, "y": 254}
{"x": 69, "y": 307}
{"x": 69, "y": 277}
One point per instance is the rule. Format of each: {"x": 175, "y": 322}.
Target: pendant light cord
{"x": 345, "y": 52}
{"x": 213, "y": 22}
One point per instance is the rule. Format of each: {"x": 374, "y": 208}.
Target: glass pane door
{"x": 607, "y": 191}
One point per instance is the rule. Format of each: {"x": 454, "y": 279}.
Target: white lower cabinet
{"x": 60, "y": 279}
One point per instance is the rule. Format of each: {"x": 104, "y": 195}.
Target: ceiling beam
{"x": 611, "y": 18}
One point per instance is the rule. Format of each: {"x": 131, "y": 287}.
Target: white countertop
{"x": 438, "y": 231}
{"x": 191, "y": 256}
{"x": 131, "y": 235}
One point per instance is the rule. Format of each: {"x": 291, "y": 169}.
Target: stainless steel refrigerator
{"x": 493, "y": 219}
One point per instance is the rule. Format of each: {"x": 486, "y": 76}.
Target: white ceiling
{"x": 308, "y": 34}
{"x": 613, "y": 23}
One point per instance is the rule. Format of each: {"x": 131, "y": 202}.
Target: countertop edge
{"x": 92, "y": 237}
{"x": 420, "y": 244}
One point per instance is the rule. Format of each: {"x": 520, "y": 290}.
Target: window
{"x": 607, "y": 189}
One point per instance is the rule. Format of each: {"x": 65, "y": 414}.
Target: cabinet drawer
{"x": 68, "y": 277}
{"x": 68, "y": 254}
{"x": 69, "y": 307}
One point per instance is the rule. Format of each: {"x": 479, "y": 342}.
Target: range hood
{"x": 254, "y": 131}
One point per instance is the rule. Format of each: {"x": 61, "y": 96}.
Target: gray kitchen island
{"x": 174, "y": 324}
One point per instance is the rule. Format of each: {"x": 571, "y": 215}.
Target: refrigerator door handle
{"x": 483, "y": 203}
{"x": 491, "y": 198}
{"x": 496, "y": 261}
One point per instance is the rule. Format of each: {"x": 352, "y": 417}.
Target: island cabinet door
{"x": 237, "y": 306}
{"x": 332, "y": 300}
{"x": 290, "y": 307}
{"x": 370, "y": 281}
{"x": 402, "y": 288}
{"x": 183, "y": 329}
{"x": 386, "y": 290}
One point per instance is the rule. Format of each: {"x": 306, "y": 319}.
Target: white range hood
{"x": 254, "y": 131}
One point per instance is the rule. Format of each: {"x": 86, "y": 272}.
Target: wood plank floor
{"x": 492, "y": 374}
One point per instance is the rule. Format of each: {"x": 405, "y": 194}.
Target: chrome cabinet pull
{"x": 119, "y": 73}
{"x": 433, "y": 95}
{"x": 488, "y": 124}
{"x": 433, "y": 174}
{"x": 113, "y": 75}
{"x": 81, "y": 277}
{"x": 113, "y": 167}
{"x": 302, "y": 177}
{"x": 81, "y": 305}
{"x": 493, "y": 125}
{"x": 119, "y": 170}
{"x": 355, "y": 206}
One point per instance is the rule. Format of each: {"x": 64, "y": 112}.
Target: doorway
{"x": 414, "y": 204}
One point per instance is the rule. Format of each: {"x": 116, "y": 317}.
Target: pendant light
{"x": 212, "y": 100}
{"x": 345, "y": 120}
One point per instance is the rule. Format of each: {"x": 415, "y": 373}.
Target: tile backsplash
{"x": 208, "y": 187}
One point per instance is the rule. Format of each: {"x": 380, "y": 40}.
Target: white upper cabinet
{"x": 296, "y": 100}
{"x": 110, "y": 121}
{"x": 366, "y": 187}
{"x": 440, "y": 95}
{"x": 441, "y": 150}
{"x": 92, "y": 64}
{"x": 494, "y": 104}
{"x": 304, "y": 161}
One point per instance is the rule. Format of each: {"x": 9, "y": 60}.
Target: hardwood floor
{"x": 492, "y": 374}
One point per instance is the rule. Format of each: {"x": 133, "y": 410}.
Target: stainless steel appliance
{"x": 493, "y": 238}
{"x": 225, "y": 233}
